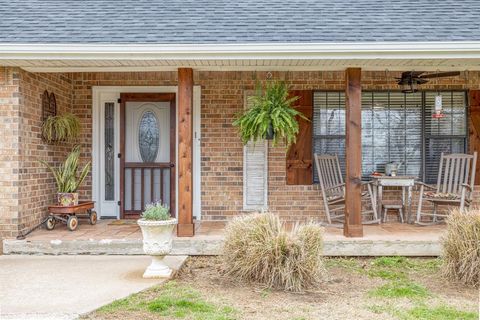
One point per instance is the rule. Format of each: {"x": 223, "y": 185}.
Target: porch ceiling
{"x": 112, "y": 65}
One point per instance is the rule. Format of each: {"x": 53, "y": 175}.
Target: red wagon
{"x": 70, "y": 215}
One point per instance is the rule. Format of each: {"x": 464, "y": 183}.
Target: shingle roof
{"x": 237, "y": 21}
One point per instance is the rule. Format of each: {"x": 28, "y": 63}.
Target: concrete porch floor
{"x": 109, "y": 237}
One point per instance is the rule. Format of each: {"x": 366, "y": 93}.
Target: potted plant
{"x": 270, "y": 116}
{"x": 157, "y": 226}
{"x": 61, "y": 128}
{"x": 68, "y": 179}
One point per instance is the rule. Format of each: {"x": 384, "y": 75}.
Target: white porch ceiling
{"x": 73, "y": 65}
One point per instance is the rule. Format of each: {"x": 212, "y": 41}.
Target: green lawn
{"x": 387, "y": 287}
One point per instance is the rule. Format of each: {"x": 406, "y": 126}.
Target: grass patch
{"x": 400, "y": 289}
{"x": 174, "y": 301}
{"x": 423, "y": 312}
{"x": 438, "y": 313}
{"x": 389, "y": 268}
{"x": 350, "y": 264}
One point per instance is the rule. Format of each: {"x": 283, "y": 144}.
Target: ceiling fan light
{"x": 409, "y": 87}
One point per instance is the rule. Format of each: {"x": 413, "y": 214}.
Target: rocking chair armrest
{"x": 335, "y": 186}
{"x": 467, "y": 186}
{"x": 428, "y": 186}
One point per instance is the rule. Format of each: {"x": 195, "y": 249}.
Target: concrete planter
{"x": 157, "y": 242}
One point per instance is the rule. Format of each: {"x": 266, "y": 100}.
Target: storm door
{"x": 147, "y": 151}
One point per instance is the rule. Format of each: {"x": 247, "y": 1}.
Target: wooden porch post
{"x": 185, "y": 150}
{"x": 353, "y": 152}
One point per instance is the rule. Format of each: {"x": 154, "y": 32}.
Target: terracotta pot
{"x": 157, "y": 242}
{"x": 67, "y": 199}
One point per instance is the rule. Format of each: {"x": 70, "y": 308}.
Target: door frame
{"x": 148, "y": 97}
{"x": 113, "y": 94}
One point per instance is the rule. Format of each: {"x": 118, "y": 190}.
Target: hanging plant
{"x": 62, "y": 128}
{"x": 271, "y": 116}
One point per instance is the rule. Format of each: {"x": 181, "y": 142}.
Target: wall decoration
{"x": 49, "y": 105}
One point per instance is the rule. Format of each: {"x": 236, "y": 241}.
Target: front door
{"x": 147, "y": 151}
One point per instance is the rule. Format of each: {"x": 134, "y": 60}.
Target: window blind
{"x": 395, "y": 127}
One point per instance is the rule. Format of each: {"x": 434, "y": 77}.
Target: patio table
{"x": 405, "y": 182}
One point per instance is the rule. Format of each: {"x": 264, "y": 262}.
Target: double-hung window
{"x": 395, "y": 127}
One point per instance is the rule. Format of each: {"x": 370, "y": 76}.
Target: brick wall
{"x": 37, "y": 187}
{"x": 9, "y": 151}
{"x": 25, "y": 181}
{"x": 27, "y": 187}
{"x": 221, "y": 160}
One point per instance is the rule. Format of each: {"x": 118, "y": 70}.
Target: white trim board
{"x": 113, "y": 92}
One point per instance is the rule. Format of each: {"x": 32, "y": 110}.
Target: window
{"x": 395, "y": 127}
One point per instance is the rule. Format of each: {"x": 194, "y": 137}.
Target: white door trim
{"x": 98, "y": 93}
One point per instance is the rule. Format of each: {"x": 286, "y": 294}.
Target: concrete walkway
{"x": 63, "y": 287}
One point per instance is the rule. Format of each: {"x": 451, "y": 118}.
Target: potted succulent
{"x": 68, "y": 179}
{"x": 61, "y": 128}
{"x": 270, "y": 115}
{"x": 157, "y": 226}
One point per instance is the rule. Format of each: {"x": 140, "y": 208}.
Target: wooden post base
{"x": 353, "y": 231}
{"x": 185, "y": 230}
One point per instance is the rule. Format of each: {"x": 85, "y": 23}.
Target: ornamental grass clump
{"x": 258, "y": 248}
{"x": 461, "y": 247}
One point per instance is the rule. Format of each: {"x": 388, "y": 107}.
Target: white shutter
{"x": 255, "y": 173}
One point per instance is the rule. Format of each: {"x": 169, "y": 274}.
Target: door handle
{"x": 172, "y": 164}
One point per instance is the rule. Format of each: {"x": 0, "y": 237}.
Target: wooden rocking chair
{"x": 333, "y": 191}
{"x": 456, "y": 179}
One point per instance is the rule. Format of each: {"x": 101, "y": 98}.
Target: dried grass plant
{"x": 259, "y": 249}
{"x": 461, "y": 247}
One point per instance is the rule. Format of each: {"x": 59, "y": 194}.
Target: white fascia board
{"x": 380, "y": 50}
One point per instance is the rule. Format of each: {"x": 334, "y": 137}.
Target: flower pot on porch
{"x": 157, "y": 242}
{"x": 67, "y": 199}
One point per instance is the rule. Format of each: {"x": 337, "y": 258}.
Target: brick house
{"x": 194, "y": 63}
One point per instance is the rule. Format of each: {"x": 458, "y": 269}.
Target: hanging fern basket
{"x": 61, "y": 128}
{"x": 271, "y": 116}
{"x": 270, "y": 134}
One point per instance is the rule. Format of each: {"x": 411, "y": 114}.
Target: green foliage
{"x": 438, "y": 313}
{"x": 173, "y": 301}
{"x": 461, "y": 247}
{"x": 61, "y": 128}
{"x": 423, "y": 312}
{"x": 271, "y": 108}
{"x": 156, "y": 211}
{"x": 400, "y": 289}
{"x": 258, "y": 248}
{"x": 66, "y": 176}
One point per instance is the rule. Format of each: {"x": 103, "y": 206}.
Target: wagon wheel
{"x": 72, "y": 223}
{"x": 50, "y": 223}
{"x": 93, "y": 217}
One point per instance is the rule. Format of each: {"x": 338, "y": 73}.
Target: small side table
{"x": 405, "y": 182}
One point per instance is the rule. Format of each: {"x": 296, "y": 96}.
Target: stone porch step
{"x": 212, "y": 245}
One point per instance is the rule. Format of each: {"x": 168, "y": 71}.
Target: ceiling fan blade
{"x": 412, "y": 74}
{"x": 441, "y": 74}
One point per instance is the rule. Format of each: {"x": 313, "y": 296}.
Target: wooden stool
{"x": 398, "y": 207}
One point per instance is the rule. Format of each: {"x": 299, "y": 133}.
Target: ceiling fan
{"x": 410, "y": 80}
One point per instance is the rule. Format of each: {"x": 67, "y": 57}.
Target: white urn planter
{"x": 157, "y": 242}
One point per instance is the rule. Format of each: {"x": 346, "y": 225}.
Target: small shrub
{"x": 258, "y": 248}
{"x": 461, "y": 247}
{"x": 156, "y": 211}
